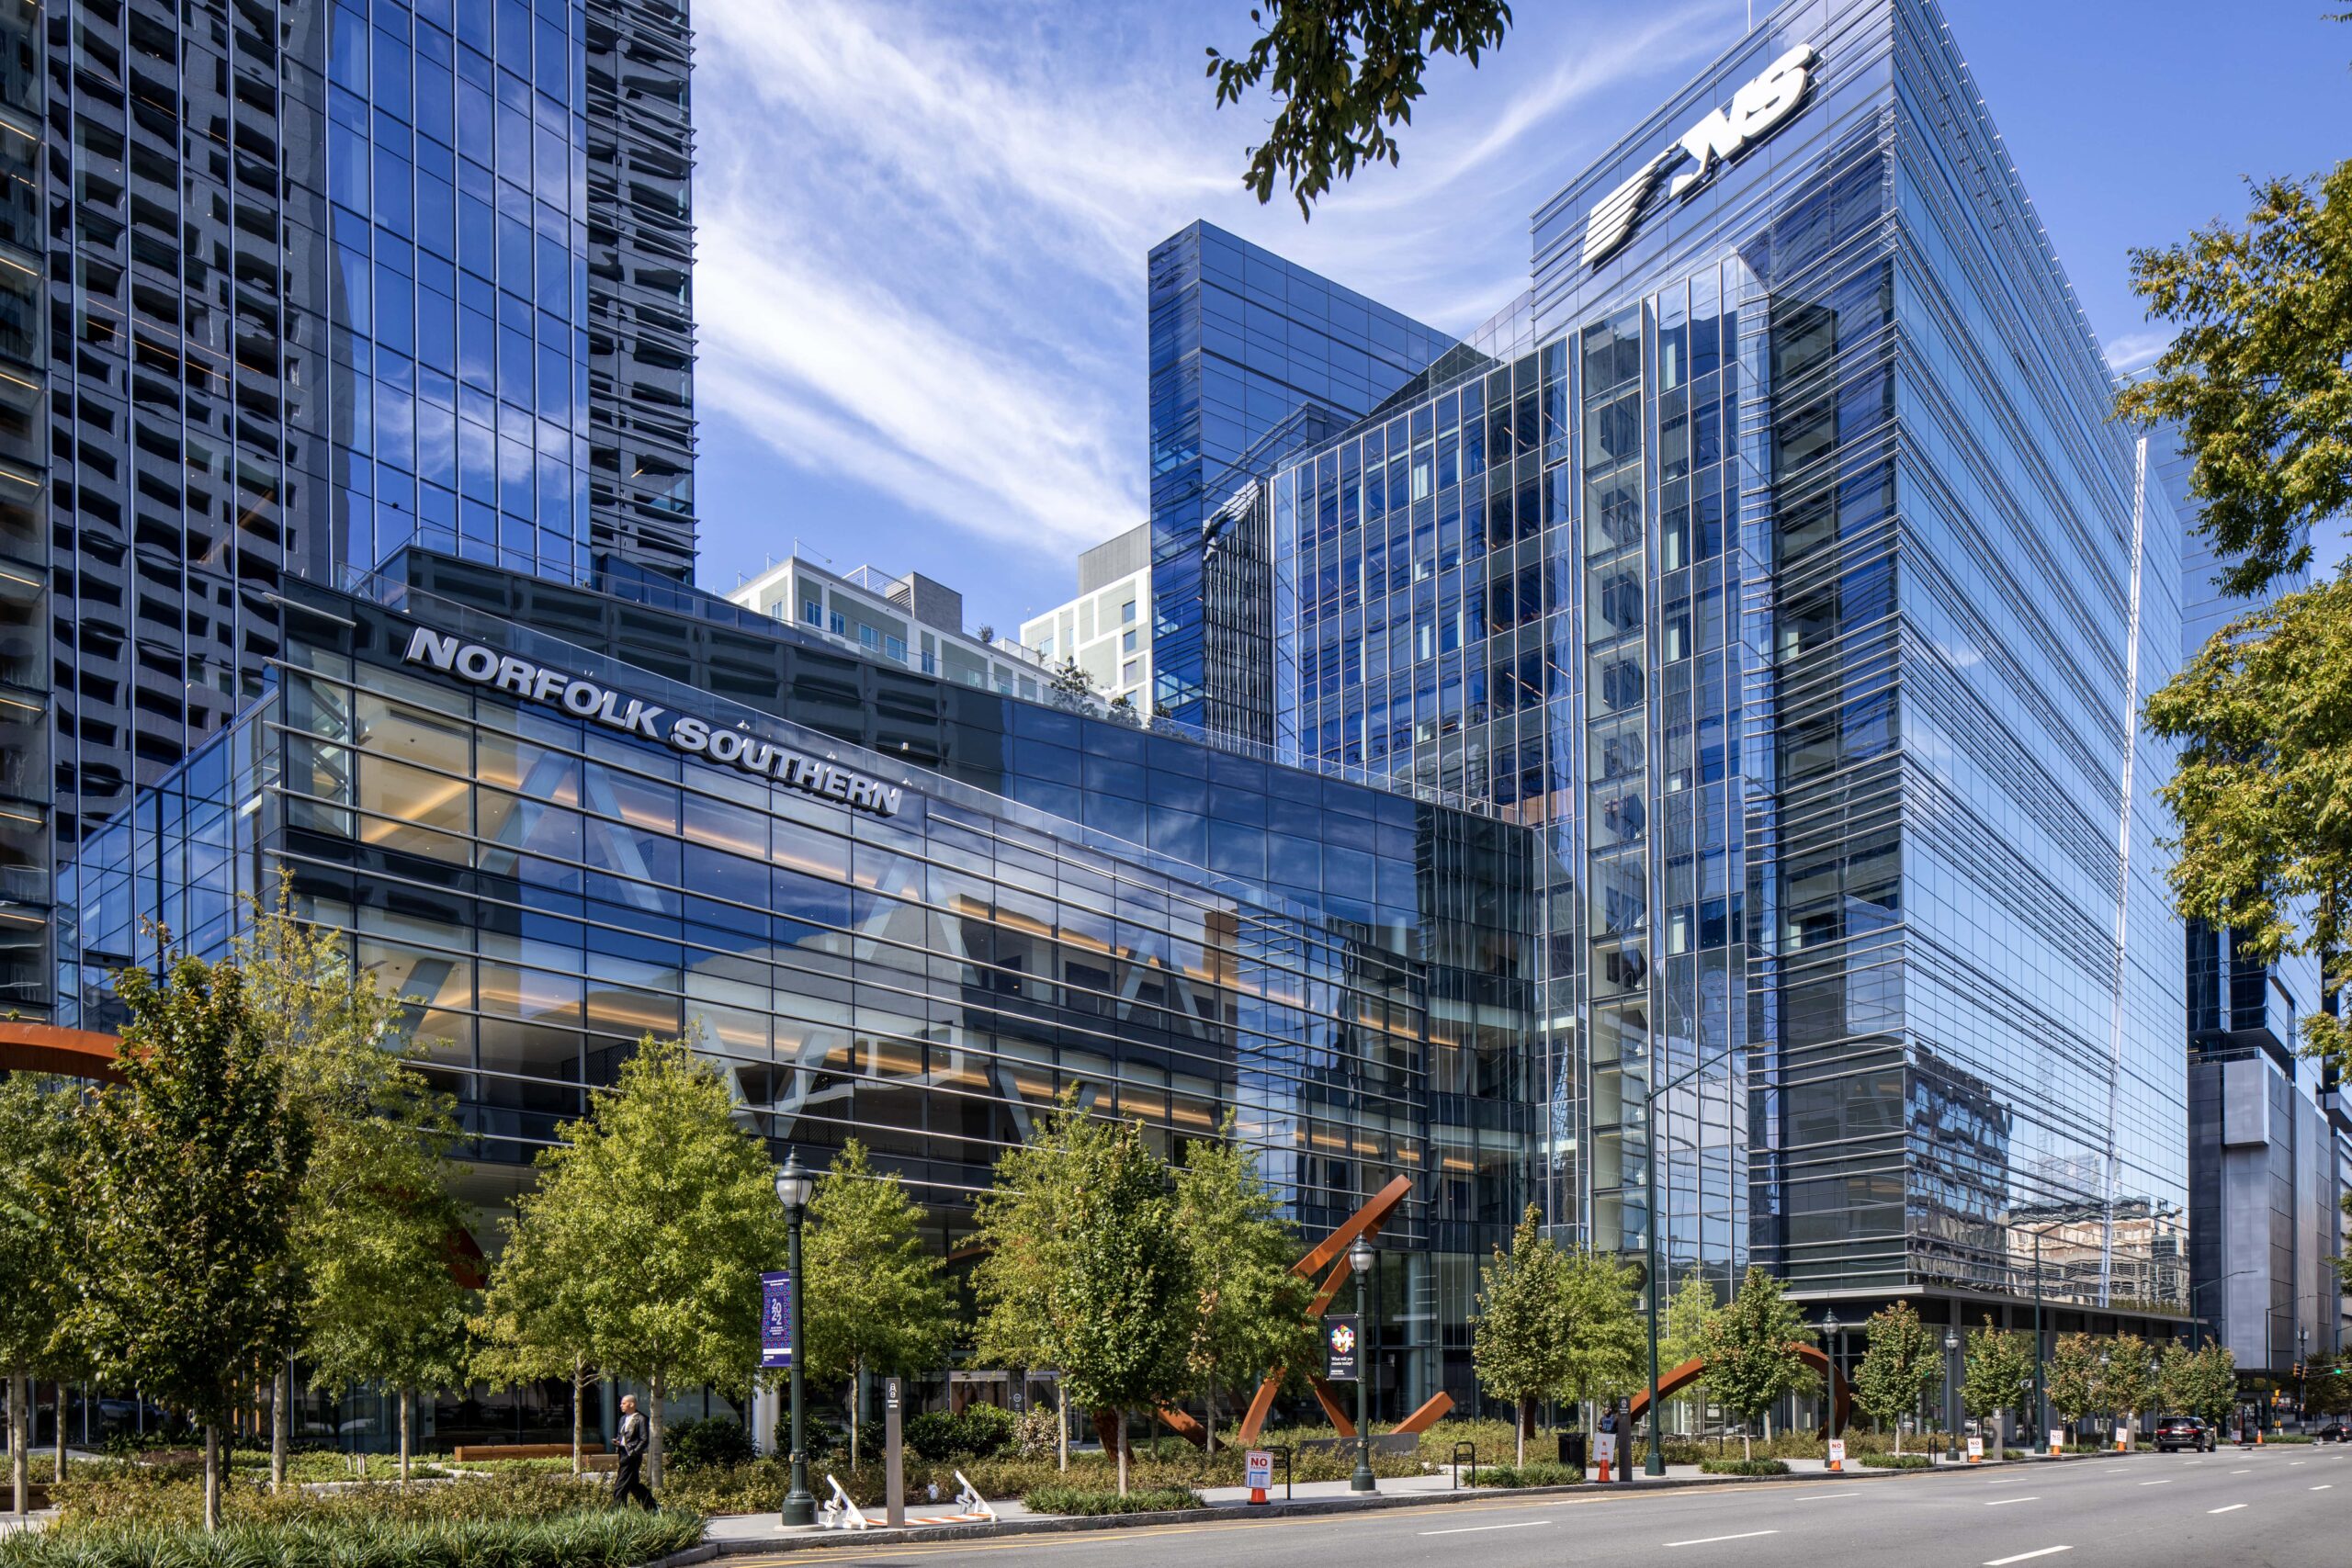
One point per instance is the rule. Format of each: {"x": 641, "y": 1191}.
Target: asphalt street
{"x": 2288, "y": 1505}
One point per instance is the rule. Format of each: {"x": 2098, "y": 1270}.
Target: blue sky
{"x": 923, "y": 225}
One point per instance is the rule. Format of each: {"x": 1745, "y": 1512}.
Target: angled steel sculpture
{"x": 1841, "y": 1397}
{"x": 1331, "y": 1253}
{"x": 51, "y": 1048}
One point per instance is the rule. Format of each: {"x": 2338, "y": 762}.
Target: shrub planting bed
{"x": 1536, "y": 1472}
{"x": 1744, "y": 1467}
{"x": 1895, "y": 1461}
{"x": 1088, "y": 1500}
{"x": 606, "y": 1538}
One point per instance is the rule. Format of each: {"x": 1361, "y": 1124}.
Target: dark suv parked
{"x": 2183, "y": 1432}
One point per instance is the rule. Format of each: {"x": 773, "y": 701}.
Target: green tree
{"x": 1519, "y": 1341}
{"x": 1752, "y": 1360}
{"x": 37, "y": 1253}
{"x": 1683, "y": 1334}
{"x": 876, "y": 1299}
{"x": 668, "y": 1207}
{"x": 1998, "y": 1371}
{"x": 1902, "y": 1359}
{"x": 1085, "y": 1270}
{"x": 532, "y": 1321}
{"x": 2073, "y": 1377}
{"x": 2127, "y": 1380}
{"x": 1346, "y": 71}
{"x": 1608, "y": 1338}
{"x": 1252, "y": 1317}
{"x": 191, "y": 1174}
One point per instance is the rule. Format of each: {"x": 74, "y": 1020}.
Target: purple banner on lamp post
{"x": 775, "y": 1318}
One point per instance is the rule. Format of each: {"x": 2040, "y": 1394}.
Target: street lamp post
{"x": 2040, "y": 1416}
{"x": 1360, "y": 1259}
{"x": 2105, "y": 1360}
{"x": 792, "y": 1190}
{"x": 1952, "y": 1393}
{"x": 1832, "y": 1328}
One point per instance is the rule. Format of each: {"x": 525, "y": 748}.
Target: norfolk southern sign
{"x": 582, "y": 698}
{"x": 1755, "y": 112}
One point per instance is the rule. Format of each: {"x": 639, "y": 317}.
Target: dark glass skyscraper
{"x": 320, "y": 280}
{"x": 1251, "y": 358}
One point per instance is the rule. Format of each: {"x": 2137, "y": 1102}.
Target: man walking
{"x": 629, "y": 1443}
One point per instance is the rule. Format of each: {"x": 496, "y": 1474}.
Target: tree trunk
{"x": 578, "y": 1392}
{"x": 57, "y": 1465}
{"x": 1518, "y": 1430}
{"x": 857, "y": 1366}
{"x": 19, "y": 1440}
{"x": 1061, "y": 1424}
{"x": 656, "y": 1387}
{"x": 211, "y": 1476}
{"x": 1119, "y": 1441}
{"x": 1210, "y": 1401}
{"x": 281, "y": 1419}
{"x": 401, "y": 1394}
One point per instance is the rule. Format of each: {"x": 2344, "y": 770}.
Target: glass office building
{"x": 294, "y": 285}
{"x": 1251, "y": 356}
{"x": 1775, "y": 560}
{"x": 1041, "y": 901}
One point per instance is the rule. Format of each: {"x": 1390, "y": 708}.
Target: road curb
{"x": 1297, "y": 1508}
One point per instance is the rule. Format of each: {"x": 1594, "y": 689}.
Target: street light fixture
{"x": 1830, "y": 1325}
{"x": 1951, "y": 1412}
{"x": 793, "y": 1188}
{"x": 1360, "y": 1259}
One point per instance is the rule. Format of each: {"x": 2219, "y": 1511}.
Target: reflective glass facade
{"x": 1783, "y": 569}
{"x": 1251, "y": 356}
{"x": 1059, "y": 901}
{"x": 319, "y": 277}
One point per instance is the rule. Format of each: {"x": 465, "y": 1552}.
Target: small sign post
{"x": 1258, "y": 1473}
{"x": 1976, "y": 1450}
{"x": 1837, "y": 1454}
{"x": 1604, "y": 1451}
{"x": 1340, "y": 1347}
{"x": 775, "y": 1319}
{"x": 894, "y": 1494}
{"x": 2057, "y": 1442}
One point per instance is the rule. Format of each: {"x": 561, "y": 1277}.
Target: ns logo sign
{"x": 1755, "y": 112}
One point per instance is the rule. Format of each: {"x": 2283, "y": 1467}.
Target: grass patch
{"x": 1090, "y": 1500}
{"x": 1534, "y": 1472}
{"x": 1746, "y": 1466}
{"x": 606, "y": 1538}
{"x": 1894, "y": 1461}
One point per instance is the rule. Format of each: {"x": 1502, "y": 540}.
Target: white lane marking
{"x": 1474, "y": 1529}
{"x": 1825, "y": 1496}
{"x": 2325, "y": 1486}
{"x": 2010, "y": 1481}
{"x": 2293, "y": 1462}
{"x": 2167, "y": 1481}
{"x": 1710, "y": 1540}
{"x": 2004, "y": 1502}
{"x": 2231, "y": 1508}
{"x": 2027, "y": 1556}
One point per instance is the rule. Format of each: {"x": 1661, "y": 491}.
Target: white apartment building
{"x": 910, "y": 620}
{"x": 1107, "y": 628}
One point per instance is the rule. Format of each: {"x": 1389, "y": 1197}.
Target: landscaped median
{"x": 114, "y": 1514}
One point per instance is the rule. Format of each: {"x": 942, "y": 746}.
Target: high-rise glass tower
{"x": 1776, "y": 556}
{"x": 296, "y": 283}
{"x": 1251, "y": 358}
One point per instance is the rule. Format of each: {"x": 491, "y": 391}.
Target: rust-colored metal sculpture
{"x": 1841, "y": 1396}
{"x": 50, "y": 1048}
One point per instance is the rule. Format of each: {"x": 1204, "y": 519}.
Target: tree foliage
{"x": 1085, "y": 1269}
{"x": 2262, "y": 716}
{"x": 1998, "y": 1373}
{"x": 1751, "y": 1356}
{"x": 875, "y": 1300}
{"x": 667, "y": 1208}
{"x": 1251, "y": 1314}
{"x": 192, "y": 1171}
{"x": 1608, "y": 1339}
{"x": 1520, "y": 1340}
{"x": 532, "y": 1319}
{"x": 2128, "y": 1380}
{"x": 1346, "y": 73}
{"x": 37, "y": 1250}
{"x": 1903, "y": 1358}
{"x": 2203, "y": 1382}
{"x": 2073, "y": 1376}
{"x": 2259, "y": 378}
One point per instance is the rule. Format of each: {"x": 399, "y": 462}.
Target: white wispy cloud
{"x": 923, "y": 228}
{"x": 2134, "y": 350}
